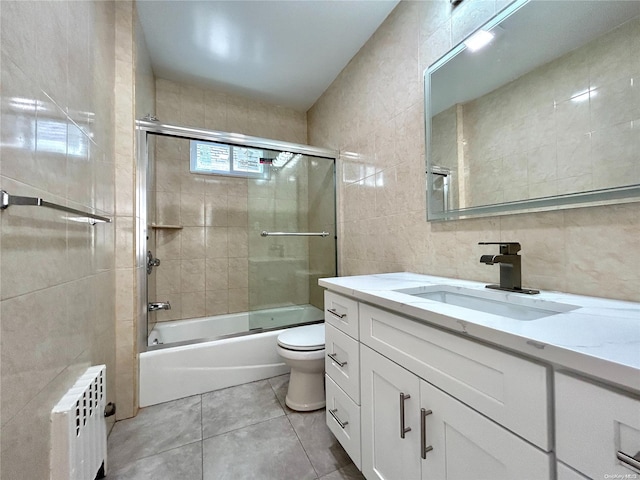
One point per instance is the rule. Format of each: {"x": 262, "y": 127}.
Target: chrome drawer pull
{"x": 629, "y": 460}
{"x": 335, "y": 417}
{"x": 333, "y": 312}
{"x": 333, "y": 356}
{"x": 423, "y": 433}
{"x": 403, "y": 430}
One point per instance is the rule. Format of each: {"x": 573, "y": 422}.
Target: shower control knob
{"x": 151, "y": 262}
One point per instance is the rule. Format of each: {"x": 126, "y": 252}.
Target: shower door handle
{"x": 264, "y": 233}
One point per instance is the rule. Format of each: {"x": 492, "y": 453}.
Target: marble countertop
{"x": 599, "y": 338}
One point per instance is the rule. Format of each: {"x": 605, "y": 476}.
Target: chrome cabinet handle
{"x": 335, "y": 417}
{"x": 333, "y": 356}
{"x": 333, "y": 312}
{"x": 403, "y": 430}
{"x": 628, "y": 459}
{"x": 423, "y": 433}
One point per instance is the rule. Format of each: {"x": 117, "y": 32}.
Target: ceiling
{"x": 281, "y": 52}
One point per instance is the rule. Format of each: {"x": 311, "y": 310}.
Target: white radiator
{"x": 78, "y": 429}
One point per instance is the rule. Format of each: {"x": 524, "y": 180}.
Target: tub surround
{"x": 600, "y": 338}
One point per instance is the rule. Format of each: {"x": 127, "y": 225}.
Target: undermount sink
{"x": 511, "y": 305}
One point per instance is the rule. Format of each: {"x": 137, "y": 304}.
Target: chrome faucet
{"x": 510, "y": 267}
{"x": 155, "y": 306}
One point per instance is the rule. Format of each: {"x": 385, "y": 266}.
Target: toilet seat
{"x": 303, "y": 339}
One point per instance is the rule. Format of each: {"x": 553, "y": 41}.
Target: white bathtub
{"x": 170, "y": 373}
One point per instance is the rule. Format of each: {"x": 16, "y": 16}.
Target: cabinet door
{"x": 385, "y": 455}
{"x": 510, "y": 390}
{"x": 468, "y": 445}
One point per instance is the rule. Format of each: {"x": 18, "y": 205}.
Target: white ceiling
{"x": 281, "y": 52}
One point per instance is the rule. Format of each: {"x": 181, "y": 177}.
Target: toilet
{"x": 302, "y": 348}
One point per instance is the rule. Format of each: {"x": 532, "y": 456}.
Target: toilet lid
{"x": 309, "y": 337}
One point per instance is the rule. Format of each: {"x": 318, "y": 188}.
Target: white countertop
{"x": 600, "y": 338}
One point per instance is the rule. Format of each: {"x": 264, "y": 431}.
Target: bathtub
{"x": 197, "y": 365}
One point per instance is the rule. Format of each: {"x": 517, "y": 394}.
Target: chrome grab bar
{"x": 333, "y": 357}
{"x": 424, "y": 449}
{"x": 7, "y": 200}
{"x": 333, "y": 312}
{"x": 335, "y": 416}
{"x": 294, "y": 234}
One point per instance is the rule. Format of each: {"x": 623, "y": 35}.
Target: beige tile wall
{"x": 136, "y": 97}
{"x": 373, "y": 112}
{"x": 58, "y": 276}
{"x": 205, "y": 265}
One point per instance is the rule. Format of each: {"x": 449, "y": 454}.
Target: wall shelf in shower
{"x": 165, "y": 227}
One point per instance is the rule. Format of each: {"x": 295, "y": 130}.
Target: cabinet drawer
{"x": 341, "y": 312}
{"x": 342, "y": 362}
{"x": 340, "y": 408}
{"x": 508, "y": 389}
{"x": 593, "y": 424}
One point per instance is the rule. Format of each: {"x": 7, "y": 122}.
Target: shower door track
{"x": 233, "y": 139}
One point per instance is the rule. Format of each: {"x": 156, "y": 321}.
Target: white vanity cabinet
{"x": 453, "y": 392}
{"x": 510, "y": 390}
{"x": 597, "y": 429}
{"x": 342, "y": 372}
{"x": 413, "y": 430}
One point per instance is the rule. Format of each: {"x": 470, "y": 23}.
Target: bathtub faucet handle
{"x": 155, "y": 306}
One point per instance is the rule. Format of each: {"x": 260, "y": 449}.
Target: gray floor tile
{"x": 266, "y": 451}
{"x": 236, "y": 407}
{"x": 324, "y": 451}
{"x": 280, "y": 385}
{"x": 156, "y": 429}
{"x": 350, "y": 472}
{"x": 182, "y": 463}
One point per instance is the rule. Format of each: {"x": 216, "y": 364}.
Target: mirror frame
{"x": 609, "y": 196}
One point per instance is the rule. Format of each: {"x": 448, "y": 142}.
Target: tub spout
{"x": 155, "y": 306}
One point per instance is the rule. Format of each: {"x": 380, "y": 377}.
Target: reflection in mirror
{"x": 545, "y": 115}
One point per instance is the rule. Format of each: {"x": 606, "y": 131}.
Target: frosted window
{"x": 220, "y": 159}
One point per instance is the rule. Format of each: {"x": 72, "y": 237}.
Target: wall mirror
{"x": 545, "y": 115}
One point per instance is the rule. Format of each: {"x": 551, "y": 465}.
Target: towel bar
{"x": 7, "y": 200}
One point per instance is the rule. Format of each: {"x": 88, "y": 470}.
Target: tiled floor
{"x": 243, "y": 432}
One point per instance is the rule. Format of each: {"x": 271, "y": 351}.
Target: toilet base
{"x": 306, "y": 391}
{"x": 304, "y": 407}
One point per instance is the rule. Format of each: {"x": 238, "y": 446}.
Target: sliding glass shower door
{"x": 292, "y": 240}
{"x": 243, "y": 231}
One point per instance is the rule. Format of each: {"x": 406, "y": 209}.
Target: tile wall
{"x": 373, "y": 112}
{"x": 58, "y": 276}
{"x": 218, "y": 263}
{"x": 205, "y": 265}
{"x": 136, "y": 97}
